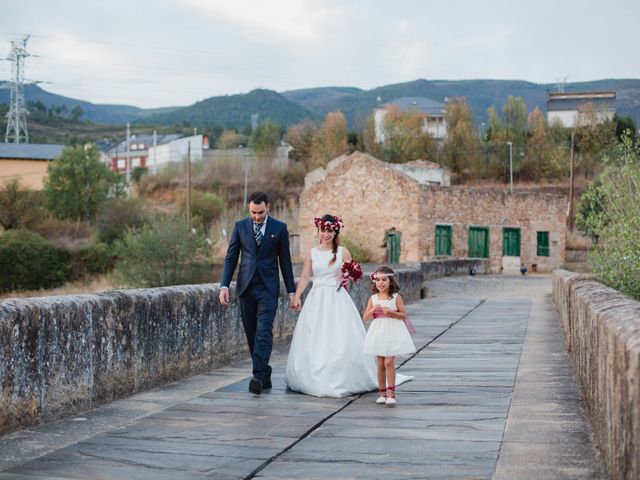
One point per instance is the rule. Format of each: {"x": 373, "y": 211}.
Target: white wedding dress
{"x": 326, "y": 357}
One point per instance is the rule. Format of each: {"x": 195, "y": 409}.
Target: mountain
{"x": 236, "y": 110}
{"x": 291, "y": 106}
{"x": 480, "y": 94}
{"x": 108, "y": 114}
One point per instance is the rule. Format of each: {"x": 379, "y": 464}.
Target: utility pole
{"x": 17, "y": 115}
{"x": 155, "y": 152}
{"x": 189, "y": 184}
{"x": 571, "y": 177}
{"x": 510, "y": 166}
{"x": 128, "y": 158}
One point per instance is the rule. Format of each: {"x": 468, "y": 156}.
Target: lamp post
{"x": 510, "y": 166}
{"x": 245, "y": 165}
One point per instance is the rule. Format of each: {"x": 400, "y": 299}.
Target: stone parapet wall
{"x": 62, "y": 355}
{"x": 602, "y": 333}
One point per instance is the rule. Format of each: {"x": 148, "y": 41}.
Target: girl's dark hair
{"x": 336, "y": 241}
{"x": 393, "y": 283}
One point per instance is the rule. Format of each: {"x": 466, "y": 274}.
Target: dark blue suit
{"x": 258, "y": 283}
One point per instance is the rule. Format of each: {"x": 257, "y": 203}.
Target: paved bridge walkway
{"x": 493, "y": 397}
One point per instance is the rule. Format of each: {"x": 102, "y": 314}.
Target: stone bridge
{"x": 152, "y": 384}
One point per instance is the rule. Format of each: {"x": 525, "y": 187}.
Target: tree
{"x": 495, "y": 131}
{"x": 19, "y": 206}
{"x": 624, "y": 124}
{"x": 593, "y": 136}
{"x": 515, "y": 120}
{"x": 264, "y": 140}
{"x": 330, "y": 141}
{"x": 300, "y": 137}
{"x": 614, "y": 220}
{"x": 231, "y": 139}
{"x": 405, "y": 137}
{"x": 78, "y": 184}
{"x": 76, "y": 113}
{"x": 461, "y": 147}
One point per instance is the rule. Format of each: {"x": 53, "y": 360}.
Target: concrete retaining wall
{"x": 602, "y": 333}
{"x": 62, "y": 355}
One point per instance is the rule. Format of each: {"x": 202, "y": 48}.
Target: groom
{"x": 262, "y": 242}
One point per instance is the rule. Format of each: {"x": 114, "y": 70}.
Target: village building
{"x": 27, "y": 161}
{"x": 155, "y": 152}
{"x": 432, "y": 112}
{"x": 565, "y": 106}
{"x": 397, "y": 215}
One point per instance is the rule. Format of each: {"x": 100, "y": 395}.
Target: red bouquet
{"x": 350, "y": 271}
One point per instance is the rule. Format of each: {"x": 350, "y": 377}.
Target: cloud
{"x": 285, "y": 19}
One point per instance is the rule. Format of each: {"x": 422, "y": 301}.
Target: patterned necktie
{"x": 257, "y": 233}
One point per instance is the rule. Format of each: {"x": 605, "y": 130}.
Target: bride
{"x": 326, "y": 357}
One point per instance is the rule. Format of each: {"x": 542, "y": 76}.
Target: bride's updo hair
{"x": 330, "y": 222}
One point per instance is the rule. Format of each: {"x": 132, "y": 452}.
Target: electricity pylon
{"x": 17, "y": 116}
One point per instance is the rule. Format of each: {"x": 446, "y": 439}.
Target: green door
{"x": 443, "y": 239}
{"x": 478, "y": 242}
{"x": 543, "y": 244}
{"x": 393, "y": 247}
{"x": 511, "y": 242}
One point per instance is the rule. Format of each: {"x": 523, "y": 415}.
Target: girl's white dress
{"x": 386, "y": 336}
{"x": 326, "y": 357}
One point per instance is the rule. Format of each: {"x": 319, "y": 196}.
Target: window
{"x": 511, "y": 242}
{"x": 443, "y": 239}
{"x": 478, "y": 242}
{"x": 542, "y": 244}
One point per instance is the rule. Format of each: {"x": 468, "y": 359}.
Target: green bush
{"x": 205, "y": 207}
{"x": 97, "y": 258}
{"x": 611, "y": 213}
{"x": 358, "y": 253}
{"x": 20, "y": 207}
{"x": 118, "y": 216}
{"x": 164, "y": 252}
{"x": 29, "y": 262}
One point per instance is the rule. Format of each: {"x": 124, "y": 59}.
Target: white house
{"x": 564, "y": 106}
{"x": 433, "y": 113}
{"x": 176, "y": 150}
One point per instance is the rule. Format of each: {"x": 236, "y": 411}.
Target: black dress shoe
{"x": 255, "y": 386}
{"x": 266, "y": 383}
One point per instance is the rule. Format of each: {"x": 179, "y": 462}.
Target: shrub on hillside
{"x": 205, "y": 207}
{"x": 164, "y": 252}
{"x": 97, "y": 258}
{"x": 20, "y": 207}
{"x": 118, "y": 216}
{"x": 29, "y": 262}
{"x": 63, "y": 233}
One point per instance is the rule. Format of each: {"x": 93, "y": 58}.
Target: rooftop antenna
{"x": 17, "y": 116}
{"x": 561, "y": 83}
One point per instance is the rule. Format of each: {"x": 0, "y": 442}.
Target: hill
{"x": 292, "y": 106}
{"x": 108, "y": 114}
{"x": 236, "y": 110}
{"x": 480, "y": 94}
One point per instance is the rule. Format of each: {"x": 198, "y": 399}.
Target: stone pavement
{"x": 492, "y": 396}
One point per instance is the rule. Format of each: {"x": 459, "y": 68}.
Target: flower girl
{"x": 387, "y": 336}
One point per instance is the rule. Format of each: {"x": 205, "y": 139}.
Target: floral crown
{"x": 374, "y": 275}
{"x": 334, "y": 225}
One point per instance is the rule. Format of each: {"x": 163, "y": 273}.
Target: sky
{"x": 177, "y": 52}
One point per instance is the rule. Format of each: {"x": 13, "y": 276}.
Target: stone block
{"x": 20, "y": 386}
